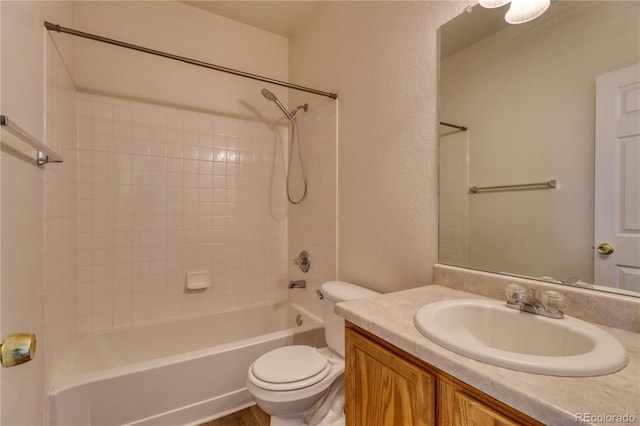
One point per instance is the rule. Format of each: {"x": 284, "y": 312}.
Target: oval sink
{"x": 488, "y": 331}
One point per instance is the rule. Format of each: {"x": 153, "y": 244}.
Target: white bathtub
{"x": 180, "y": 372}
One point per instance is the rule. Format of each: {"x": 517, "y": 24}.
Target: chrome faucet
{"x": 297, "y": 284}
{"x": 303, "y": 261}
{"x": 550, "y": 305}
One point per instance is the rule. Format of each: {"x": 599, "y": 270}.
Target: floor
{"x": 250, "y": 416}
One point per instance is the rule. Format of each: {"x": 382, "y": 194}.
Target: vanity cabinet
{"x": 456, "y": 406}
{"x": 386, "y": 386}
{"x": 383, "y": 388}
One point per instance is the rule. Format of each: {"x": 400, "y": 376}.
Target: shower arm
{"x": 294, "y": 111}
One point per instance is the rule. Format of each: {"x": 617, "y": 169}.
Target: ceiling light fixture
{"x": 520, "y": 11}
{"x": 491, "y": 4}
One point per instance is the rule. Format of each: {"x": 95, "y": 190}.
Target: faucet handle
{"x": 303, "y": 261}
{"x": 553, "y": 301}
{"x": 515, "y": 292}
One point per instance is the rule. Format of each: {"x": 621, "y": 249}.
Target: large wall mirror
{"x": 523, "y": 98}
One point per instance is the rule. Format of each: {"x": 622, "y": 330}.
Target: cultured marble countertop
{"x": 549, "y": 399}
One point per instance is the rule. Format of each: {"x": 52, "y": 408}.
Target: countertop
{"x": 549, "y": 399}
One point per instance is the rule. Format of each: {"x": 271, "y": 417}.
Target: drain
{"x": 299, "y": 319}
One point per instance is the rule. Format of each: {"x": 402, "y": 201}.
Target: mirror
{"x": 526, "y": 95}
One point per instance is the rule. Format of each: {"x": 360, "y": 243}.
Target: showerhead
{"x": 267, "y": 94}
{"x": 294, "y": 130}
{"x": 270, "y": 96}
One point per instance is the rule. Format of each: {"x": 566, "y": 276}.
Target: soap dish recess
{"x": 197, "y": 280}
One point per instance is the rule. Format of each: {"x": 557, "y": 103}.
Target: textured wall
{"x": 29, "y": 60}
{"x": 381, "y": 58}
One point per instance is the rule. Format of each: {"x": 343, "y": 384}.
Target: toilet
{"x": 301, "y": 385}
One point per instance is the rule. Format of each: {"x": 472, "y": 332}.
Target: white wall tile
{"x": 154, "y": 197}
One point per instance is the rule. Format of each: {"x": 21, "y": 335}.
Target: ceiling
{"x": 467, "y": 28}
{"x": 279, "y": 17}
{"x": 285, "y": 17}
{"x": 480, "y": 23}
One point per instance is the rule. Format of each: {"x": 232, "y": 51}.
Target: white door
{"x": 617, "y": 179}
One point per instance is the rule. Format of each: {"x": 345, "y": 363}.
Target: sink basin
{"x": 488, "y": 331}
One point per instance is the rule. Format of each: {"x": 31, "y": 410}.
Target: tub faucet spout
{"x": 297, "y": 284}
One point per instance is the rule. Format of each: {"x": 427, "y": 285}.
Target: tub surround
{"x": 549, "y": 399}
{"x": 168, "y": 191}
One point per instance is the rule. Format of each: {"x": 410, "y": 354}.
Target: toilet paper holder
{"x": 17, "y": 349}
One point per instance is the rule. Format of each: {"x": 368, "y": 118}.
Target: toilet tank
{"x": 335, "y": 292}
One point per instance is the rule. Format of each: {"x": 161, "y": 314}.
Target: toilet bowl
{"x": 294, "y": 383}
{"x": 289, "y": 397}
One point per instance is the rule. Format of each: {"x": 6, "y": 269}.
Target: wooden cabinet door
{"x": 457, "y": 408}
{"x": 383, "y": 389}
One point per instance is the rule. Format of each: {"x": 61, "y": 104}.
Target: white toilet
{"x": 290, "y": 383}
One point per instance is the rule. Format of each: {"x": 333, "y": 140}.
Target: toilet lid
{"x": 290, "y": 364}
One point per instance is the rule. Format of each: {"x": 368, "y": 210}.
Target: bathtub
{"x": 178, "y": 372}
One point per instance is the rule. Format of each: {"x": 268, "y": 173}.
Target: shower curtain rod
{"x": 60, "y": 29}
{"x": 454, "y": 126}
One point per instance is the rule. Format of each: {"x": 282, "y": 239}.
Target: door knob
{"x": 17, "y": 349}
{"x": 605, "y": 248}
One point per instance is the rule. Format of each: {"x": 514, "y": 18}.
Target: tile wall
{"x": 164, "y": 191}
{"x": 454, "y": 198}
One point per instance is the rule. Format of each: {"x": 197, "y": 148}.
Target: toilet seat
{"x": 289, "y": 368}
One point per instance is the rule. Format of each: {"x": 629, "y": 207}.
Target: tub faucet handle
{"x": 303, "y": 261}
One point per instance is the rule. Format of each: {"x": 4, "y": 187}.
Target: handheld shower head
{"x": 270, "y": 96}
{"x": 294, "y": 130}
{"x": 267, "y": 94}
